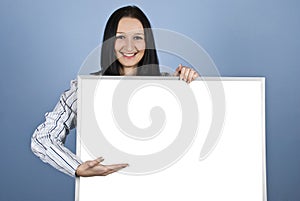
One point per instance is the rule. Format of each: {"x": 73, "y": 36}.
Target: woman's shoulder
{"x": 165, "y": 74}
{"x": 96, "y": 73}
{"x": 73, "y": 87}
{"x": 161, "y": 73}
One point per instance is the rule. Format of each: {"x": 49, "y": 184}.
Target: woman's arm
{"x": 48, "y": 139}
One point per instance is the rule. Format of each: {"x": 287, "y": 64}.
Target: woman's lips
{"x": 129, "y": 55}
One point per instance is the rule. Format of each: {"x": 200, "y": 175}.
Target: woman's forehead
{"x": 128, "y": 24}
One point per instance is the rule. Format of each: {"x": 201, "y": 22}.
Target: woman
{"x": 128, "y": 49}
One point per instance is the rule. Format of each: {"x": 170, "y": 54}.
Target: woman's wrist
{"x": 76, "y": 172}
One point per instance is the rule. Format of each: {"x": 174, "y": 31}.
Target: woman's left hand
{"x": 186, "y": 73}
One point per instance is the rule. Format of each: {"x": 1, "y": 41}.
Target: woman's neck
{"x": 129, "y": 71}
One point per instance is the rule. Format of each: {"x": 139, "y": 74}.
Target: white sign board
{"x": 198, "y": 141}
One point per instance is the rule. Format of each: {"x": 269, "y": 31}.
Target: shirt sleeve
{"x": 48, "y": 139}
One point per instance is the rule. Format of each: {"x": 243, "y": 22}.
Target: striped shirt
{"x": 48, "y": 139}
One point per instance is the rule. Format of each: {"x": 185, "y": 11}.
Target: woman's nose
{"x": 129, "y": 46}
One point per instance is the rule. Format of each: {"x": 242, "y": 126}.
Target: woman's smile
{"x": 128, "y": 55}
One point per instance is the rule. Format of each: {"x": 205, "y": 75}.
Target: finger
{"x": 196, "y": 75}
{"x": 116, "y": 166}
{"x": 113, "y": 170}
{"x": 109, "y": 172}
{"x": 191, "y": 76}
{"x": 100, "y": 159}
{"x": 95, "y": 162}
{"x": 186, "y": 74}
{"x": 92, "y": 163}
{"x": 181, "y": 76}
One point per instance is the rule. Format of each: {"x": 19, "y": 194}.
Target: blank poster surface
{"x": 199, "y": 141}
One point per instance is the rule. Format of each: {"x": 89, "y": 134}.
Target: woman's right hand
{"x": 95, "y": 168}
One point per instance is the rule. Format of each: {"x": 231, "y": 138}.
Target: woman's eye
{"x": 120, "y": 37}
{"x": 138, "y": 38}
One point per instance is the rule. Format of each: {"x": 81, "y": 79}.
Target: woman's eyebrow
{"x": 136, "y": 33}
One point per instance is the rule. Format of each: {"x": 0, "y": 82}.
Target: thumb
{"x": 178, "y": 69}
{"x": 95, "y": 162}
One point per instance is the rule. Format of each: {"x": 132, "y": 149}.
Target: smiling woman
{"x": 128, "y": 49}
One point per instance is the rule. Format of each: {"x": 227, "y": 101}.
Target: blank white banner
{"x": 198, "y": 141}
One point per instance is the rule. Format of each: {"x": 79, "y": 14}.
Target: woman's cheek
{"x": 140, "y": 45}
{"x": 118, "y": 46}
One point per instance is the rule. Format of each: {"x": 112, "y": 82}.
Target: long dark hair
{"x": 109, "y": 63}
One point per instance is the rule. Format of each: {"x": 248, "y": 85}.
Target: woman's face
{"x": 130, "y": 42}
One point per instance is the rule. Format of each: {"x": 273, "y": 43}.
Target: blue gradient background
{"x": 43, "y": 44}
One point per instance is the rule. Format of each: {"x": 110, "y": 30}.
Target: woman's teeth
{"x": 128, "y": 54}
